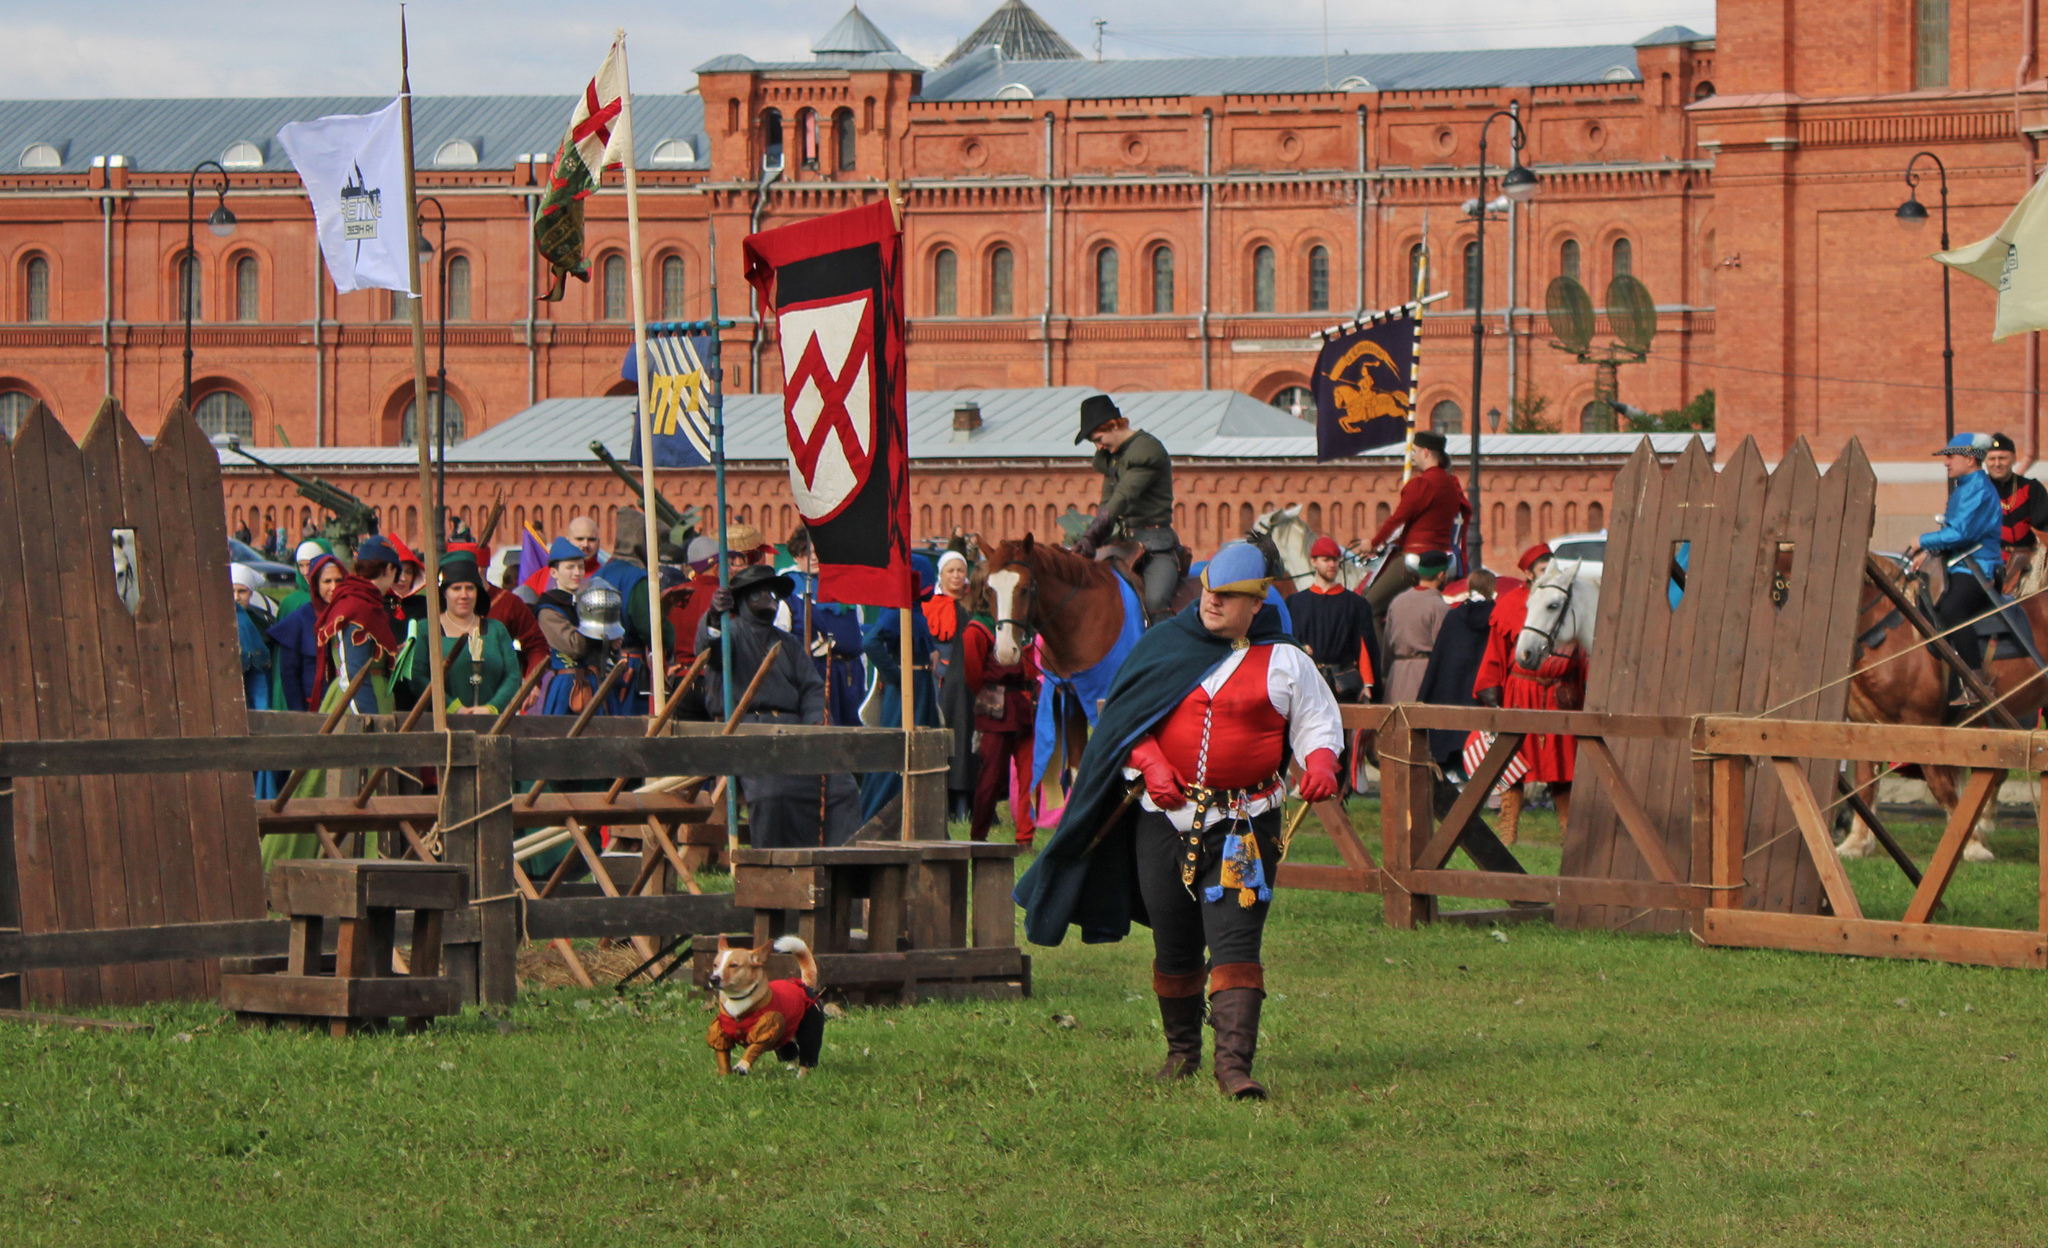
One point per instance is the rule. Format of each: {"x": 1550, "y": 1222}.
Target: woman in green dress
{"x": 479, "y": 666}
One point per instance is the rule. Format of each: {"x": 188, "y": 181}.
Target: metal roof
{"x": 1670, "y": 35}
{"x": 1019, "y": 33}
{"x": 734, "y": 62}
{"x": 854, "y": 36}
{"x": 164, "y": 135}
{"x": 1016, "y": 424}
{"x": 980, "y": 76}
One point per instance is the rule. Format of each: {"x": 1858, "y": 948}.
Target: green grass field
{"x": 1443, "y": 1087}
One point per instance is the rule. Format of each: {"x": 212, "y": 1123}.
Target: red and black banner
{"x": 836, "y": 284}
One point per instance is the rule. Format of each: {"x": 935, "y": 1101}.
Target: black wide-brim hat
{"x": 761, "y": 576}
{"x": 1097, "y": 410}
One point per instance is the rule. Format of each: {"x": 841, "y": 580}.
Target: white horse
{"x": 1563, "y": 603}
{"x": 1292, "y": 537}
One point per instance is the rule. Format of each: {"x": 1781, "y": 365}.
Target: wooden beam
{"x": 1328, "y": 879}
{"x": 1731, "y": 830}
{"x": 159, "y": 755}
{"x": 1820, "y": 846}
{"x": 1949, "y": 854}
{"x": 1568, "y": 723}
{"x": 1498, "y": 755}
{"x": 113, "y": 946}
{"x": 1872, "y": 743}
{"x": 1566, "y": 890}
{"x": 1875, "y": 938}
{"x": 786, "y": 750}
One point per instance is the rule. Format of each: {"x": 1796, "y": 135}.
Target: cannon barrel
{"x": 665, "y": 511}
{"x": 351, "y": 514}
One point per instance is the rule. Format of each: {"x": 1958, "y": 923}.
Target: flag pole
{"x": 1415, "y": 360}
{"x": 715, "y": 370}
{"x": 656, "y": 672}
{"x": 431, "y": 573}
{"x": 908, "y": 634}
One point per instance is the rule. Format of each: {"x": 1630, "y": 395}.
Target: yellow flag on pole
{"x": 2014, "y": 262}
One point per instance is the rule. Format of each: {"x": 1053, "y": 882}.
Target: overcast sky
{"x": 292, "y": 47}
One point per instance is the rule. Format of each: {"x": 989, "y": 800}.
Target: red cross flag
{"x": 836, "y": 285}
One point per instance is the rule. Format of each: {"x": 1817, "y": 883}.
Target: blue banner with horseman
{"x": 1365, "y": 386}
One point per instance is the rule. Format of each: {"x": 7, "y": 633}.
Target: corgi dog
{"x": 758, "y": 1015}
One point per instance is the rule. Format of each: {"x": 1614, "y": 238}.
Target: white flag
{"x": 2014, "y": 262}
{"x": 354, "y": 171}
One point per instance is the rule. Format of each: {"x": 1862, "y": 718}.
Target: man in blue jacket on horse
{"x": 1966, "y": 543}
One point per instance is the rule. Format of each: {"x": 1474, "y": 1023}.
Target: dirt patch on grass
{"x": 541, "y": 965}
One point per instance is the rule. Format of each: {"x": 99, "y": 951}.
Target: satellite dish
{"x": 1631, "y": 312}
{"x": 1570, "y": 310}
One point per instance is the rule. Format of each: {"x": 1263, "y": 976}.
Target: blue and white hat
{"x": 1239, "y": 568}
{"x": 1975, "y": 445}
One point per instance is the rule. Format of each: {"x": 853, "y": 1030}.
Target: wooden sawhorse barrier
{"x": 939, "y": 919}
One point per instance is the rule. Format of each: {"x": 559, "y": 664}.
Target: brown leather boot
{"x": 1510, "y": 814}
{"x": 1180, "y": 1017}
{"x": 1240, "y": 989}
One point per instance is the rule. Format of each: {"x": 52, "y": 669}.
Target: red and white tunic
{"x": 1256, "y": 704}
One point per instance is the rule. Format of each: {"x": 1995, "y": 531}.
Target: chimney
{"x": 966, "y": 419}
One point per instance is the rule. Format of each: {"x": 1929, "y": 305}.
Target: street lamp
{"x": 1518, "y": 184}
{"x": 427, "y": 253}
{"x": 222, "y": 223}
{"x": 1913, "y": 215}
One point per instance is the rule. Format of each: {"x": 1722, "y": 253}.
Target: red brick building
{"x": 1132, "y": 226}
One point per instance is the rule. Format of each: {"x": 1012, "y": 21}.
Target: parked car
{"x": 281, "y": 576}
{"x": 1590, "y": 549}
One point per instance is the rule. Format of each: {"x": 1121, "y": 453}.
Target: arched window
{"x": 1319, "y": 279}
{"x": 615, "y": 308}
{"x": 1568, "y": 262}
{"x": 1475, "y": 277}
{"x": 1297, "y": 401}
{"x": 224, "y": 412}
{"x": 674, "y": 152}
{"x": 843, "y": 148}
{"x": 1624, "y": 257}
{"x": 1447, "y": 417}
{"x": 1002, "y": 276}
{"x": 456, "y": 154}
{"x": 674, "y": 288}
{"x": 15, "y": 406}
{"x": 36, "y": 290}
{"x": 190, "y": 303}
{"x": 458, "y": 288}
{"x": 1105, "y": 281}
{"x": 807, "y": 137}
{"x": 246, "y": 290}
{"x": 1596, "y": 417}
{"x": 945, "y": 283}
{"x": 1415, "y": 262}
{"x": 451, "y": 412}
{"x": 1162, "y": 279}
{"x": 771, "y": 139}
{"x": 1262, "y": 279}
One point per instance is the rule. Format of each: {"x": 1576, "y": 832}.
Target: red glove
{"x": 1318, "y": 777}
{"x": 1162, "y": 782}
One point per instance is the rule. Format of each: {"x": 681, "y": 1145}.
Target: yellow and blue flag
{"x": 678, "y": 400}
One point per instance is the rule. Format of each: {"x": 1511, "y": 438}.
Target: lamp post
{"x": 222, "y": 223}
{"x": 1517, "y": 184}
{"x": 427, "y": 252}
{"x": 1913, "y": 215}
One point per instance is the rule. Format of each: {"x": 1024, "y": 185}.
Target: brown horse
{"x": 1913, "y": 689}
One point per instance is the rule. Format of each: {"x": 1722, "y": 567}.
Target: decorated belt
{"x": 1206, "y": 799}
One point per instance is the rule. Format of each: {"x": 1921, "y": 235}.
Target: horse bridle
{"x": 1550, "y": 637}
{"x": 1031, "y": 592}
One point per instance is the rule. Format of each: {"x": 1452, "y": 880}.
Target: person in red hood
{"x": 355, "y": 630}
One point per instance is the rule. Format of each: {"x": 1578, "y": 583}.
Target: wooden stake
{"x": 660, "y": 721}
{"x": 348, "y": 695}
{"x": 590, "y": 709}
{"x": 414, "y": 300}
{"x": 635, "y": 269}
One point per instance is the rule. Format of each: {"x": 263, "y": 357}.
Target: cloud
{"x": 91, "y": 48}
